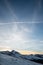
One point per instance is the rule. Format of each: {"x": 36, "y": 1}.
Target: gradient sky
{"x": 21, "y": 24}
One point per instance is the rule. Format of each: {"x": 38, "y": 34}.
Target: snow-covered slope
{"x": 10, "y": 60}
{"x": 31, "y": 57}
{"x": 35, "y": 58}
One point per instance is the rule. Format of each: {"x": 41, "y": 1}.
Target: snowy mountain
{"x": 15, "y": 58}
{"x": 13, "y": 53}
{"x": 34, "y": 58}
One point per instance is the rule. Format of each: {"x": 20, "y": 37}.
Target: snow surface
{"x": 10, "y": 60}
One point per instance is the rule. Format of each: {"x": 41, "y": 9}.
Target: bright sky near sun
{"x": 21, "y": 24}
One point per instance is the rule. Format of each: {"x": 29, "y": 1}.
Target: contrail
{"x": 19, "y": 22}
{"x": 14, "y": 17}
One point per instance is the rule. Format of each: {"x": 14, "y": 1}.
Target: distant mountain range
{"x": 15, "y": 58}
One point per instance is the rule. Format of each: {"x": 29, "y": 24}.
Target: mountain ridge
{"x": 14, "y": 54}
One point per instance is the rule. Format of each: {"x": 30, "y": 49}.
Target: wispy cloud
{"x": 13, "y": 36}
{"x": 17, "y": 35}
{"x": 41, "y": 41}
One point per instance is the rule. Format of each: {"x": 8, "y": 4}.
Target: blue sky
{"x": 21, "y": 24}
